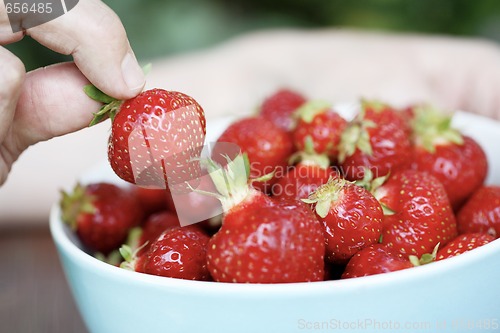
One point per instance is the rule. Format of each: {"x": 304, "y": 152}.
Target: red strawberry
{"x": 268, "y": 147}
{"x": 101, "y": 214}
{"x": 262, "y": 241}
{"x": 375, "y": 259}
{"x": 463, "y": 243}
{"x": 179, "y": 252}
{"x": 154, "y": 137}
{"x": 378, "y": 259}
{"x": 301, "y": 180}
{"x": 446, "y": 154}
{"x": 422, "y": 215}
{"x": 279, "y": 108}
{"x": 376, "y": 139}
{"x": 152, "y": 200}
{"x": 351, "y": 217}
{"x": 154, "y": 225}
{"x": 481, "y": 213}
{"x": 269, "y": 244}
{"x": 320, "y": 124}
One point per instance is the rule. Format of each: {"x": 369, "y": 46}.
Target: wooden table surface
{"x": 34, "y": 294}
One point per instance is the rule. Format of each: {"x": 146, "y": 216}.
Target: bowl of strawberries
{"x": 308, "y": 216}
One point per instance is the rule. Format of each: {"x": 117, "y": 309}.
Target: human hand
{"x": 50, "y": 102}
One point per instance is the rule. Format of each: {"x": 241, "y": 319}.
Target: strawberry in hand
{"x": 155, "y": 137}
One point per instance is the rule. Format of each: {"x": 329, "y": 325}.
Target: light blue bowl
{"x": 460, "y": 294}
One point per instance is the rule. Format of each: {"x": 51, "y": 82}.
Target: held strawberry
{"x": 376, "y": 139}
{"x": 154, "y": 137}
{"x": 481, "y": 213}
{"x": 464, "y": 243}
{"x": 260, "y": 240}
{"x": 421, "y": 215}
{"x": 280, "y": 106}
{"x": 444, "y": 152}
{"x": 350, "y": 215}
{"x": 101, "y": 214}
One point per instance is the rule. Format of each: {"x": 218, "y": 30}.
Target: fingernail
{"x": 132, "y": 73}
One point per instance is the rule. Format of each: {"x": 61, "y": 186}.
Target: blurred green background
{"x": 164, "y": 27}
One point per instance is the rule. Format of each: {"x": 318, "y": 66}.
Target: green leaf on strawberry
{"x": 432, "y": 126}
{"x": 356, "y": 136}
{"x": 311, "y": 109}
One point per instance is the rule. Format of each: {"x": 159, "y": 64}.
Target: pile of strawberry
{"x": 312, "y": 197}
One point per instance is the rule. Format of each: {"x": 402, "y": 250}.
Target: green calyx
{"x": 232, "y": 180}
{"x": 129, "y": 256}
{"x": 426, "y": 258}
{"x": 130, "y": 250}
{"x": 110, "y": 105}
{"x": 75, "y": 203}
{"x": 432, "y": 127}
{"x": 369, "y": 183}
{"x": 325, "y": 195}
{"x": 311, "y": 109}
{"x": 310, "y": 156}
{"x": 372, "y": 184}
{"x": 356, "y": 136}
